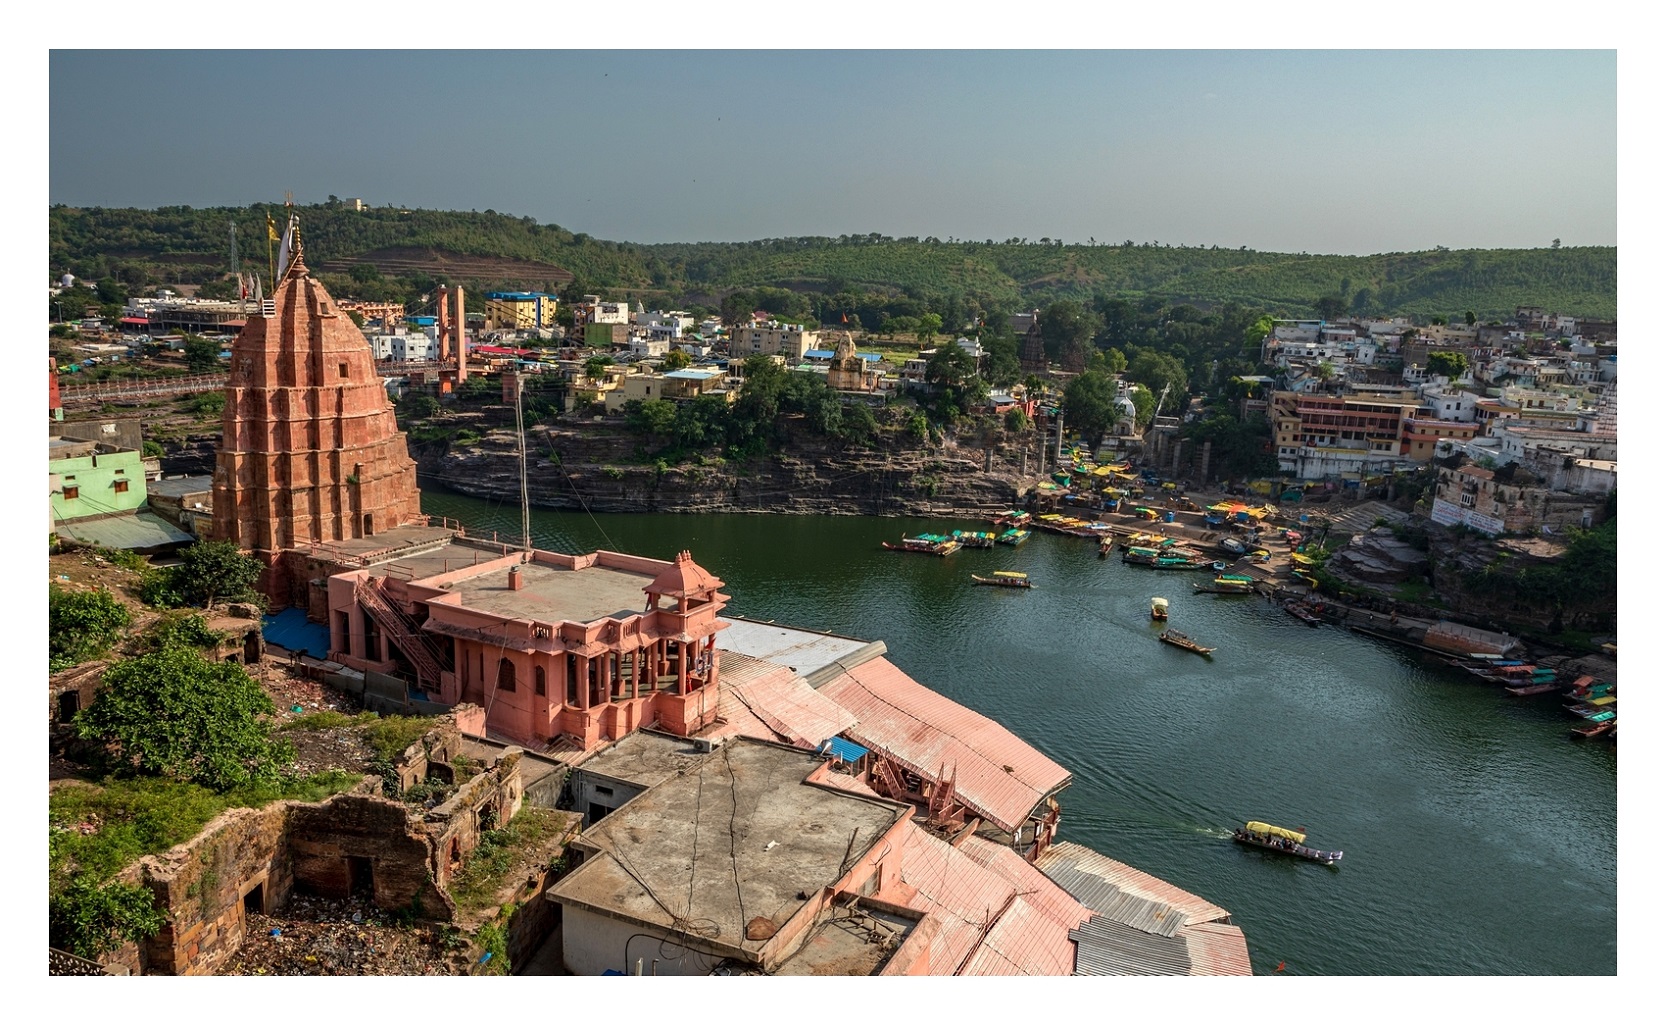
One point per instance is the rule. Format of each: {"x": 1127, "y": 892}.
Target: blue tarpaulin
{"x": 842, "y": 749}
{"x": 290, "y": 629}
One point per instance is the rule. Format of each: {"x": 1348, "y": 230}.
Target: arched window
{"x": 505, "y": 674}
{"x": 538, "y": 686}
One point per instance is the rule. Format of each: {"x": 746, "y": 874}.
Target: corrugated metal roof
{"x": 1104, "y": 947}
{"x": 1025, "y": 941}
{"x": 1106, "y": 899}
{"x": 1217, "y": 949}
{"x": 793, "y": 708}
{"x": 141, "y": 530}
{"x": 1127, "y": 879}
{"x": 996, "y": 774}
{"x": 804, "y": 650}
{"x": 1048, "y": 896}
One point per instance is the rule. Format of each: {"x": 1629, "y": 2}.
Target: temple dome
{"x": 684, "y": 579}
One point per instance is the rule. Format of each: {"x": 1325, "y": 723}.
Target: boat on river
{"x": 1159, "y": 609}
{"x": 975, "y": 538}
{"x": 1013, "y": 536}
{"x": 1227, "y": 583}
{"x": 1106, "y": 544}
{"x": 924, "y": 544}
{"x": 1285, "y": 841}
{"x": 1180, "y": 640}
{"x": 1303, "y": 611}
{"x": 1594, "y": 729}
{"x": 1003, "y": 578}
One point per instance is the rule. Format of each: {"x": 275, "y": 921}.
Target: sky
{"x": 1323, "y": 151}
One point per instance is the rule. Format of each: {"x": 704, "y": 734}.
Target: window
{"x": 538, "y": 684}
{"x": 71, "y": 491}
{"x": 121, "y": 486}
{"x": 505, "y": 674}
{"x": 343, "y": 368}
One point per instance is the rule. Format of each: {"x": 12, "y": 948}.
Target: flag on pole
{"x": 843, "y": 319}
{"x": 271, "y": 229}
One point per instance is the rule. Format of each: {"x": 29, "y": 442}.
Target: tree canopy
{"x": 82, "y": 625}
{"x": 1090, "y": 406}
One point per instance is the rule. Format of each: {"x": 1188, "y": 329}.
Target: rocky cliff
{"x": 602, "y": 468}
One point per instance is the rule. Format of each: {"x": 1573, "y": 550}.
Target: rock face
{"x": 598, "y": 467}
{"x": 1377, "y": 557}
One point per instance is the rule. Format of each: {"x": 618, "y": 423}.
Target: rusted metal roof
{"x": 1217, "y": 949}
{"x": 996, "y": 774}
{"x": 1024, "y": 941}
{"x": 1128, "y": 880}
{"x": 1048, "y": 896}
{"x": 1105, "y": 947}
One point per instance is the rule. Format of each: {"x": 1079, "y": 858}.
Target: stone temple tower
{"x": 310, "y": 451}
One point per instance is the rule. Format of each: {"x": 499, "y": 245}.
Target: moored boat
{"x": 1286, "y": 841}
{"x": 924, "y": 544}
{"x": 1594, "y": 729}
{"x": 1227, "y": 584}
{"x": 1180, "y": 640}
{"x": 1529, "y": 689}
{"x": 1302, "y": 611}
{"x": 1013, "y": 536}
{"x": 1105, "y": 545}
{"x": 1159, "y": 609}
{"x": 975, "y": 538}
{"x": 1004, "y": 578}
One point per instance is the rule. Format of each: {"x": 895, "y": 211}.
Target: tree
{"x": 927, "y": 328}
{"x": 1018, "y": 421}
{"x": 81, "y": 625}
{"x": 1451, "y": 365}
{"x": 1469, "y": 317}
{"x": 595, "y": 364}
{"x": 1090, "y": 406}
{"x": 677, "y": 359}
{"x": 654, "y": 417}
{"x": 356, "y": 317}
{"x": 90, "y": 920}
{"x": 1330, "y": 307}
{"x": 172, "y": 713}
{"x": 202, "y": 356}
{"x": 1156, "y": 370}
{"x": 955, "y": 373}
{"x": 1067, "y": 327}
{"x": 210, "y": 571}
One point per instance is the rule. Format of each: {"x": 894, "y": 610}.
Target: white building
{"x": 773, "y": 338}
{"x": 404, "y": 346}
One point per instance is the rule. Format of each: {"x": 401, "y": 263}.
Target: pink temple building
{"x": 556, "y": 648}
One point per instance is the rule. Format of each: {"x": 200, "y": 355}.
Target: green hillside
{"x": 398, "y": 254}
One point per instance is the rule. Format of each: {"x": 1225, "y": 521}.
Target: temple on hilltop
{"x": 310, "y": 451}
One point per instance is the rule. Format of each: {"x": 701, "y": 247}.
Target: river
{"x": 1479, "y": 838}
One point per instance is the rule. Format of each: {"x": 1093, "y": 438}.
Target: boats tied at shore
{"x": 924, "y": 544}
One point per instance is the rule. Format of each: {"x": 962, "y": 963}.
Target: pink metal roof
{"x": 1217, "y": 949}
{"x": 1049, "y": 897}
{"x": 768, "y": 701}
{"x": 989, "y": 926}
{"x": 996, "y": 774}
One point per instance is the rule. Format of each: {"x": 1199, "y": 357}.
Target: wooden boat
{"x": 1013, "y": 536}
{"x": 1303, "y": 612}
{"x": 1594, "y": 729}
{"x": 1141, "y": 556}
{"x": 1105, "y": 545}
{"x": 1285, "y": 841}
{"x": 1004, "y": 578}
{"x": 1180, "y": 640}
{"x": 1530, "y": 689}
{"x": 1227, "y": 583}
{"x": 975, "y": 538}
{"x": 1159, "y": 608}
{"x": 1012, "y": 518}
{"x": 924, "y": 544}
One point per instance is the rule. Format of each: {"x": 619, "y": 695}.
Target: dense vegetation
{"x": 865, "y": 278}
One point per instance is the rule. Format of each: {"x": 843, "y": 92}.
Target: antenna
{"x": 237, "y": 271}
{"x": 520, "y": 437}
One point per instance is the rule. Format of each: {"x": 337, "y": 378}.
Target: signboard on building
{"x": 1449, "y": 515}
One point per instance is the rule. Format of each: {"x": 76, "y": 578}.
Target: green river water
{"x": 1478, "y": 837}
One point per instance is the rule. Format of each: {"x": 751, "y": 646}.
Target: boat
{"x": 1594, "y": 729}
{"x": 1286, "y": 841}
{"x": 1105, "y": 545}
{"x": 1141, "y": 556}
{"x": 1530, "y": 689}
{"x": 975, "y": 538}
{"x": 925, "y": 544}
{"x": 1012, "y": 518}
{"x": 1160, "y": 608}
{"x": 1231, "y": 544}
{"x": 1013, "y": 536}
{"x": 1227, "y": 583}
{"x": 1302, "y": 611}
{"x": 1180, "y": 640}
{"x": 1004, "y": 578}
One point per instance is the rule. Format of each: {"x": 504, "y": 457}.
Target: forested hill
{"x": 397, "y": 251}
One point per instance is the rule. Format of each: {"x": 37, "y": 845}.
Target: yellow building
{"x": 519, "y": 311}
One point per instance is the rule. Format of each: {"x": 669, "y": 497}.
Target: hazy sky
{"x": 1327, "y": 151}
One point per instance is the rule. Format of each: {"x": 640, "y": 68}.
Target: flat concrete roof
{"x": 739, "y": 836}
{"x": 179, "y": 487}
{"x": 802, "y": 651}
{"x": 644, "y": 758}
{"x": 552, "y": 594}
{"x": 855, "y": 941}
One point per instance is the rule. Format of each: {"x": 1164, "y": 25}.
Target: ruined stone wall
{"x": 480, "y": 805}
{"x": 358, "y": 842}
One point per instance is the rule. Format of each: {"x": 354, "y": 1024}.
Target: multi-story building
{"x": 387, "y": 315}
{"x": 772, "y": 338}
{"x": 1323, "y": 435}
{"x": 519, "y": 311}
{"x": 194, "y": 316}
{"x": 404, "y": 346}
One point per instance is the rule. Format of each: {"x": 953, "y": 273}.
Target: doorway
{"x": 254, "y": 902}
{"x": 69, "y": 703}
{"x": 361, "y": 881}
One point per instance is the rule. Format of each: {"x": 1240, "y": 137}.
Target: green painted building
{"x": 89, "y": 479}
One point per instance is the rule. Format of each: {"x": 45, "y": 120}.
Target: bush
{"x": 82, "y": 625}
{"x": 90, "y": 920}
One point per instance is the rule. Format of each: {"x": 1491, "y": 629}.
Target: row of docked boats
{"x": 1593, "y": 701}
{"x": 1596, "y": 703}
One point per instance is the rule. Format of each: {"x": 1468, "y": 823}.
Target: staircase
{"x": 401, "y": 630}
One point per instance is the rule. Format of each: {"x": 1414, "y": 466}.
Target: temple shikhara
{"x": 829, "y": 786}
{"x": 309, "y": 451}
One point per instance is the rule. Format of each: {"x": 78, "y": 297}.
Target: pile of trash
{"x": 321, "y": 936}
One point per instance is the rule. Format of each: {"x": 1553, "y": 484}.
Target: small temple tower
{"x": 310, "y": 450}
{"x": 848, "y": 371}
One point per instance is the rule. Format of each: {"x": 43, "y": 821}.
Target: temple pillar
{"x": 583, "y": 687}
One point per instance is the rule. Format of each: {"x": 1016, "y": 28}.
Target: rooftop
{"x": 645, "y": 758}
{"x": 553, "y": 594}
{"x": 802, "y": 651}
{"x": 738, "y": 836}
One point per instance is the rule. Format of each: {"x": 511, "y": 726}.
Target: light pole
{"x": 60, "y": 308}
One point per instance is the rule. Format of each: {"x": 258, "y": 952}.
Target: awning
{"x": 842, "y": 749}
{"x": 135, "y": 320}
